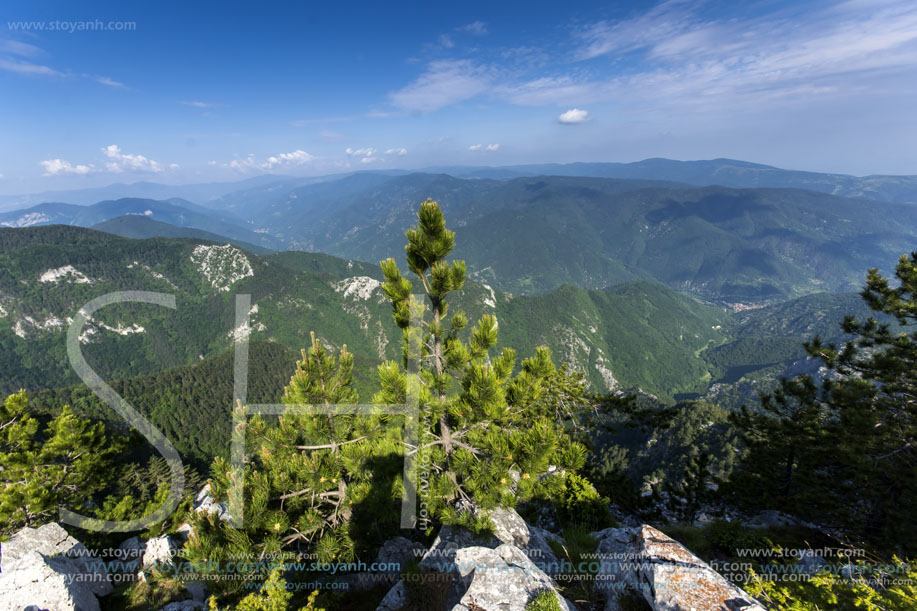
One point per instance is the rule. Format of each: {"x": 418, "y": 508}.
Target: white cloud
{"x": 119, "y": 162}
{"x": 367, "y": 154}
{"x": 401, "y": 152}
{"x": 446, "y": 41}
{"x": 54, "y": 167}
{"x": 478, "y": 28}
{"x": 297, "y": 157}
{"x": 174, "y": 166}
{"x": 445, "y": 82}
{"x": 574, "y": 115}
{"x": 484, "y": 147}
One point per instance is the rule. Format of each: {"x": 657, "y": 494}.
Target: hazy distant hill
{"x": 200, "y": 192}
{"x": 176, "y": 212}
{"x": 141, "y": 227}
{"x": 531, "y": 235}
{"x": 724, "y": 172}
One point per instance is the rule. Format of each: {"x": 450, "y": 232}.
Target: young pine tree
{"x": 43, "y": 470}
{"x": 487, "y": 437}
{"x": 306, "y": 473}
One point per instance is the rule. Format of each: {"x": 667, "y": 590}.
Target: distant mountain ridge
{"x": 177, "y": 212}
{"x": 531, "y": 235}
{"x": 721, "y": 171}
{"x": 140, "y": 227}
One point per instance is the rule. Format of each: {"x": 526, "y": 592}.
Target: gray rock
{"x": 395, "y": 599}
{"x": 47, "y": 569}
{"x": 183, "y": 605}
{"x": 131, "y": 555}
{"x": 197, "y": 591}
{"x": 400, "y": 551}
{"x": 510, "y": 528}
{"x": 184, "y": 532}
{"x": 203, "y": 502}
{"x": 667, "y": 575}
{"x": 770, "y": 518}
{"x": 159, "y": 553}
{"x": 501, "y": 579}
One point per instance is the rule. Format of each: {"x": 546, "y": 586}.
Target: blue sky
{"x": 192, "y": 92}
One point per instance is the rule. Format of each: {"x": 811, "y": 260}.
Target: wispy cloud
{"x": 684, "y": 58}
{"x": 399, "y": 152}
{"x": 28, "y": 68}
{"x": 199, "y": 104}
{"x": 484, "y": 147}
{"x": 320, "y": 120}
{"x": 104, "y": 80}
{"x": 478, "y": 28}
{"x": 23, "y": 49}
{"x": 445, "y": 82}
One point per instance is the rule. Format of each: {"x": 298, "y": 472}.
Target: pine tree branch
{"x": 331, "y": 446}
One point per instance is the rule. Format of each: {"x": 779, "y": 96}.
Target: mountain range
{"x": 532, "y": 235}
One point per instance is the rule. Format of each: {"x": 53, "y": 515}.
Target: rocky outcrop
{"x": 45, "y": 568}
{"x": 503, "y": 570}
{"x": 664, "y": 572}
{"x": 503, "y": 578}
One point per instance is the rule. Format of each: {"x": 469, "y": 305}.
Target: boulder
{"x": 203, "y": 502}
{"x": 130, "y": 555}
{"x": 198, "y": 591}
{"x": 159, "y": 553}
{"x": 46, "y": 568}
{"x": 510, "y": 531}
{"x": 395, "y": 599}
{"x": 668, "y": 576}
{"x": 510, "y": 528}
{"x": 501, "y": 579}
{"x": 400, "y": 551}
